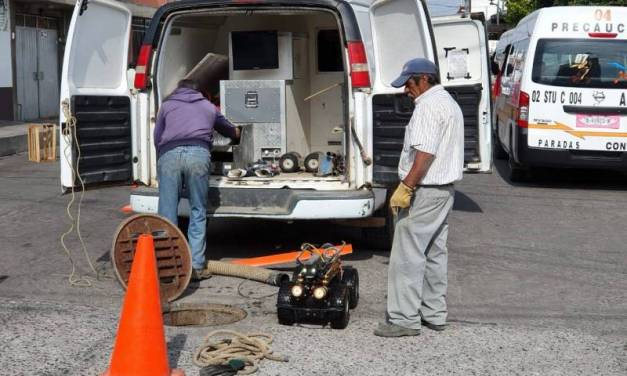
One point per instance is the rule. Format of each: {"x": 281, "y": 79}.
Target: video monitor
{"x": 254, "y": 50}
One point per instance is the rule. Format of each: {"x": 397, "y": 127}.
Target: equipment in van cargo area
{"x": 259, "y": 107}
{"x": 210, "y": 71}
{"x": 254, "y": 50}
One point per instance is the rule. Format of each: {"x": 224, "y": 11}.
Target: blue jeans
{"x": 189, "y": 164}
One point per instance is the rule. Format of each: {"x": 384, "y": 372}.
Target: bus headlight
{"x": 320, "y": 292}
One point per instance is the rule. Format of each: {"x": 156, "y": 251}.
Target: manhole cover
{"x": 189, "y": 314}
{"x": 174, "y": 261}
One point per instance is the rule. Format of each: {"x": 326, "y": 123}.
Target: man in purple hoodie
{"x": 183, "y": 139}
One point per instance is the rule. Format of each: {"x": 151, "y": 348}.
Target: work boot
{"x": 386, "y": 329}
{"x": 437, "y": 328}
{"x": 200, "y": 274}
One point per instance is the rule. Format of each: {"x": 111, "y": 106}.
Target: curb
{"x": 13, "y": 145}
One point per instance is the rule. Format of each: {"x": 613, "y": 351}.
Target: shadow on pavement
{"x": 466, "y": 204}
{"x": 175, "y": 347}
{"x": 566, "y": 178}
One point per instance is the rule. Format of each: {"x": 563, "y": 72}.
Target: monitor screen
{"x": 255, "y": 50}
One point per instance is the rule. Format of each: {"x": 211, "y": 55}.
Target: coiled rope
{"x": 220, "y": 346}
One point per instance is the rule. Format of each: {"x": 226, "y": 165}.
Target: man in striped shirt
{"x": 431, "y": 161}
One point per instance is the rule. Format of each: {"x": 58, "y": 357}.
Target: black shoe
{"x": 437, "y": 328}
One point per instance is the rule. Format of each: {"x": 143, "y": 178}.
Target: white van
{"x": 560, "y": 90}
{"x": 321, "y": 84}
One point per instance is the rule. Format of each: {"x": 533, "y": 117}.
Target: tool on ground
{"x": 223, "y": 346}
{"x": 140, "y": 348}
{"x": 321, "y": 289}
{"x": 285, "y": 258}
{"x": 362, "y": 152}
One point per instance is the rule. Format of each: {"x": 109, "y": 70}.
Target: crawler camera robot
{"x": 321, "y": 289}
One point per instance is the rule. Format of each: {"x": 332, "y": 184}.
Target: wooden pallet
{"x": 42, "y": 143}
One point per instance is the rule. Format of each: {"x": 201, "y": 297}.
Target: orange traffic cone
{"x": 140, "y": 348}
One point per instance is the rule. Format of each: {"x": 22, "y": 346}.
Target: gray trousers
{"x": 417, "y": 274}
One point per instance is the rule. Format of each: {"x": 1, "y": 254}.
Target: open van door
{"x": 96, "y": 111}
{"x": 463, "y": 59}
{"x": 400, "y": 31}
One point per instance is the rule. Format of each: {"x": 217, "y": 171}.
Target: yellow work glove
{"x": 401, "y": 198}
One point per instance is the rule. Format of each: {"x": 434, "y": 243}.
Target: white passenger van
{"x": 320, "y": 84}
{"x": 560, "y": 93}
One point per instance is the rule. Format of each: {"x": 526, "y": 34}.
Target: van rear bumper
{"x": 592, "y": 159}
{"x": 269, "y": 203}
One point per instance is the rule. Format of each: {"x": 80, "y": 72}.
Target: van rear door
{"x": 463, "y": 61}
{"x": 95, "y": 92}
{"x": 400, "y": 31}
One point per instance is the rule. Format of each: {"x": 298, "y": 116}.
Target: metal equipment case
{"x": 260, "y": 105}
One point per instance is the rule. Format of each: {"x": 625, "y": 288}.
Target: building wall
{"x": 6, "y": 65}
{"x": 62, "y": 11}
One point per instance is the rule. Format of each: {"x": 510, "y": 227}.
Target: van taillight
{"x": 523, "y": 110}
{"x": 358, "y": 65}
{"x": 142, "y": 70}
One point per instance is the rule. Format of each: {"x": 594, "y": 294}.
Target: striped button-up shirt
{"x": 436, "y": 127}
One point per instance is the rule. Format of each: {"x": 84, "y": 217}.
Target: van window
{"x": 581, "y": 63}
{"x": 329, "y": 51}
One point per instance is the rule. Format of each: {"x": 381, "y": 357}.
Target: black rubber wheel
{"x": 340, "y": 321}
{"x": 285, "y": 316}
{"x": 289, "y": 162}
{"x": 350, "y": 278}
{"x": 312, "y": 162}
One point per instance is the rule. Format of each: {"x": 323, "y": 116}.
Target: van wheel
{"x": 497, "y": 147}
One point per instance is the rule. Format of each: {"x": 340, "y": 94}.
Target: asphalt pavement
{"x": 537, "y": 283}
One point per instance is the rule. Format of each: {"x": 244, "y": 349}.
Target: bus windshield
{"x": 582, "y": 63}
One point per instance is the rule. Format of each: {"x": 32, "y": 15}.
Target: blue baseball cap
{"x": 414, "y": 67}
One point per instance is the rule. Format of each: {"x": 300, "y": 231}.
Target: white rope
{"x": 69, "y": 135}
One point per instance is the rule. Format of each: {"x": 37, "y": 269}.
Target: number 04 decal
{"x": 600, "y": 15}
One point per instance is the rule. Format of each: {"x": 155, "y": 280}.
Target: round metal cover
{"x": 174, "y": 260}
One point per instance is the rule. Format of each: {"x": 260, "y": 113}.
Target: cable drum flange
{"x": 174, "y": 260}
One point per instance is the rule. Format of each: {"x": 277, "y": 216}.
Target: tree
{"x": 517, "y": 9}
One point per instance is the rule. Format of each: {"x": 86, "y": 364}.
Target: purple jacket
{"x": 186, "y": 118}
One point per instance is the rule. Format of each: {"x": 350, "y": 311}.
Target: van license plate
{"x": 598, "y": 121}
